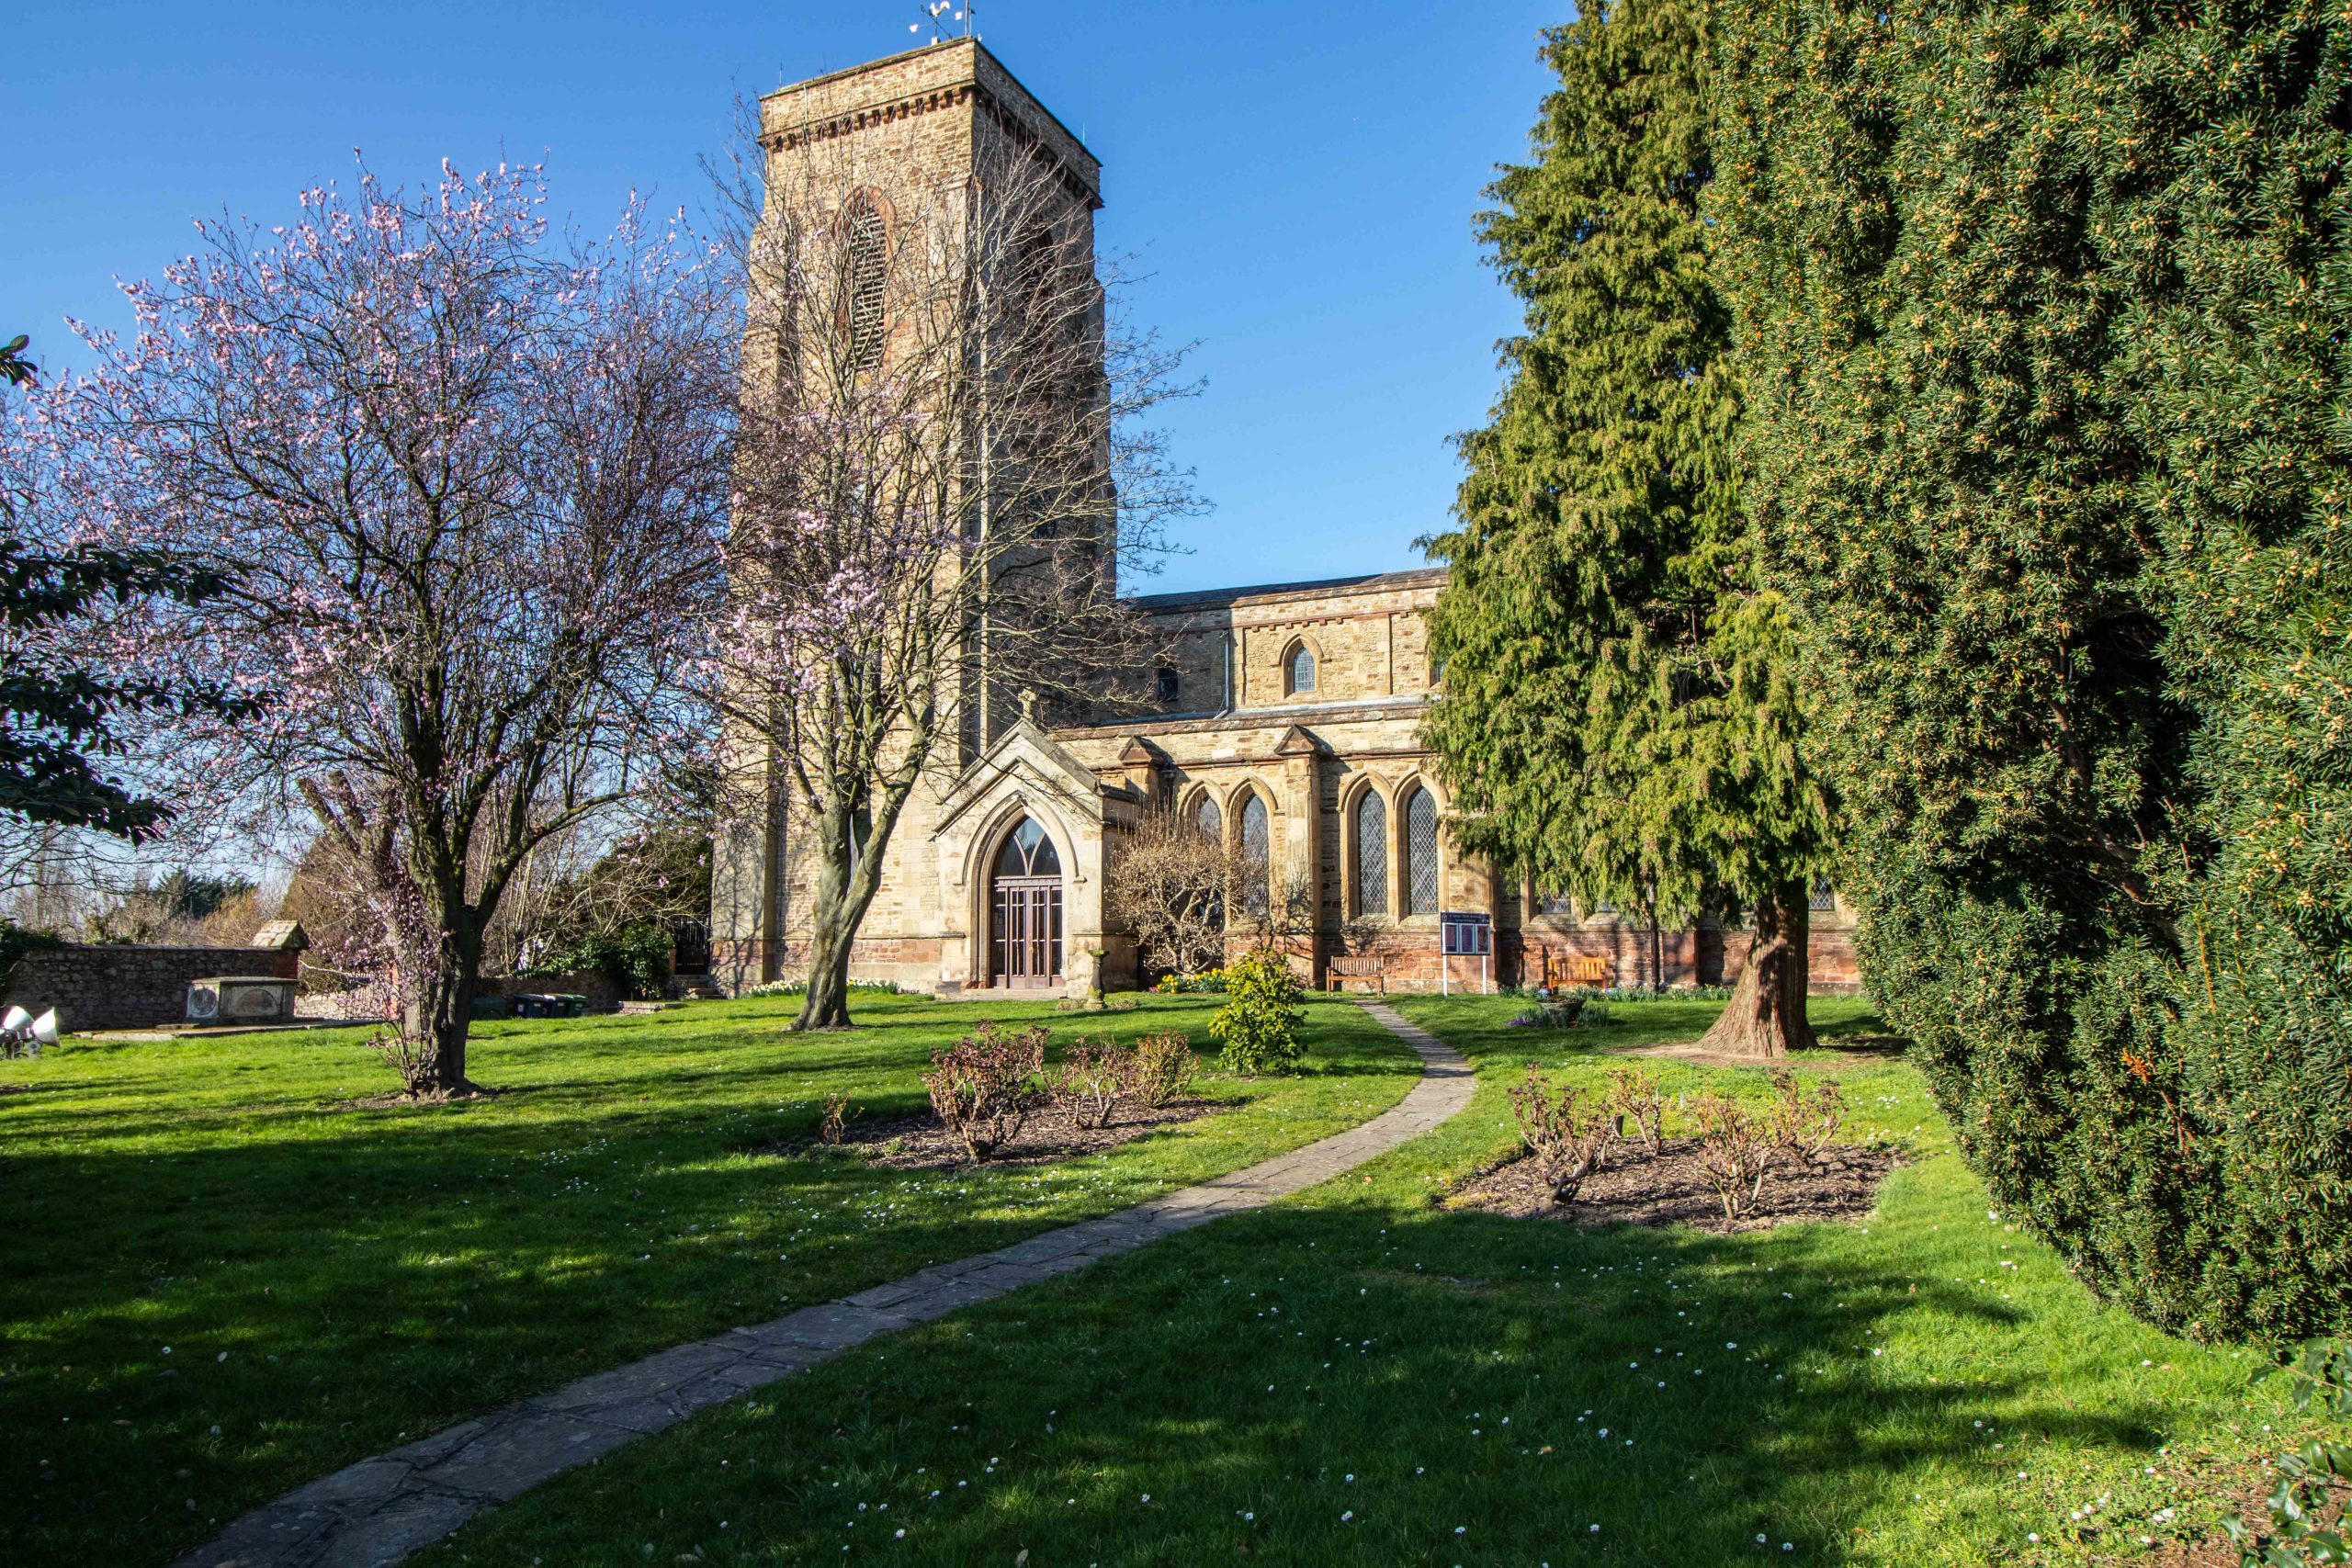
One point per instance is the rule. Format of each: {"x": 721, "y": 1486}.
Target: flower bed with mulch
{"x": 1670, "y": 1188}
{"x": 1052, "y": 1132}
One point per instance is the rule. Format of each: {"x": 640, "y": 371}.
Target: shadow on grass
{"x": 1354, "y": 1383}
{"x": 216, "y": 1289}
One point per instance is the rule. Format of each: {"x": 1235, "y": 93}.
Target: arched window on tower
{"x": 1372, "y": 853}
{"x": 1420, "y": 854}
{"x": 869, "y": 270}
{"x": 1257, "y": 858}
{"x": 1298, "y": 670}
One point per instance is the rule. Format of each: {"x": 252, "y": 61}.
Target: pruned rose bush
{"x": 986, "y": 1085}
{"x": 1801, "y": 1122}
{"x": 1735, "y": 1151}
{"x": 1634, "y": 1094}
{"x": 1092, "y": 1080}
{"x": 1566, "y": 1129}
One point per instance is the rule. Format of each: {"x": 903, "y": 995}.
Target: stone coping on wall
{"x": 1368, "y": 711}
{"x": 1278, "y": 592}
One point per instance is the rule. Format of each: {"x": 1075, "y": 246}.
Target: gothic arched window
{"x": 869, "y": 270}
{"x": 1299, "y": 671}
{"x": 1257, "y": 856}
{"x": 1420, "y": 854}
{"x": 1028, "y": 853}
{"x": 1372, "y": 853}
{"x": 1208, "y": 819}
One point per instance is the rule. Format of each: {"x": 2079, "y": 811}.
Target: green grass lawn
{"x": 217, "y": 1281}
{"x": 1359, "y": 1377}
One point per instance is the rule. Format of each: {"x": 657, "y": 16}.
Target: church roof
{"x": 1368, "y": 583}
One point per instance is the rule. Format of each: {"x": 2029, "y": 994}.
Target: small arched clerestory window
{"x": 1420, "y": 854}
{"x": 1372, "y": 853}
{"x": 868, "y": 241}
{"x": 1298, "y": 670}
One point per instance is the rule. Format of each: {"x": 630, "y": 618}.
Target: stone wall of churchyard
{"x": 602, "y": 995}
{"x": 359, "y": 1006}
{"x": 113, "y": 987}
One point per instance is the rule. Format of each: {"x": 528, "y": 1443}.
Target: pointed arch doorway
{"x": 1025, "y": 909}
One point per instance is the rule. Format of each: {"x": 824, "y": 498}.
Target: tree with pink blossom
{"x": 66, "y": 700}
{"x": 467, "y": 481}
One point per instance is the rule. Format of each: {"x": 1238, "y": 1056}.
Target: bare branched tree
{"x": 1170, "y": 886}
{"x": 940, "y": 469}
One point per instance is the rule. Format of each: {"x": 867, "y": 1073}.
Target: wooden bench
{"x": 1589, "y": 971}
{"x": 1369, "y": 967}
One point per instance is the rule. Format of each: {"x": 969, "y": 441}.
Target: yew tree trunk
{"x": 1766, "y": 1014}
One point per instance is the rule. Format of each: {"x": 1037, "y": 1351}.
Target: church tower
{"x": 938, "y": 150}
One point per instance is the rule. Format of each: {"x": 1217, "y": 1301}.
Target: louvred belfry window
{"x": 870, "y": 268}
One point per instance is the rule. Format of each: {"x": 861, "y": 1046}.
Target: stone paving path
{"x": 381, "y": 1510}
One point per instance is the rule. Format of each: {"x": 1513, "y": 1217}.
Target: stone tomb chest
{"x": 240, "y": 999}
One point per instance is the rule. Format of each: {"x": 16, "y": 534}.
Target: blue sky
{"x": 1300, "y": 180}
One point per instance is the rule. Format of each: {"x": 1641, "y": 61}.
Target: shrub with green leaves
{"x": 1163, "y": 1067}
{"x": 2040, "y": 316}
{"x": 2308, "y": 1507}
{"x": 1260, "y": 1022}
{"x": 635, "y": 957}
{"x": 1211, "y": 981}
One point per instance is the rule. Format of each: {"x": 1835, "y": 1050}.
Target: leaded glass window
{"x": 1421, "y": 854}
{"x": 1372, "y": 853}
{"x": 1302, "y": 670}
{"x": 1208, "y": 819}
{"x": 1028, "y": 853}
{"x": 1257, "y": 856}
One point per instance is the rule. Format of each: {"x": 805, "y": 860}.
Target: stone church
{"x": 1287, "y": 718}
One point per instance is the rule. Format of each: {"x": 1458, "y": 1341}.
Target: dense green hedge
{"x": 2043, "y": 311}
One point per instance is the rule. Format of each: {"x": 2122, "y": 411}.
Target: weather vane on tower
{"x": 945, "y": 13}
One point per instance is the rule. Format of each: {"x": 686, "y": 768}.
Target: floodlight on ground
{"x": 44, "y": 1028}
{"x": 15, "y": 1020}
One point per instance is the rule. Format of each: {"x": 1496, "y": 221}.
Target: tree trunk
{"x": 1766, "y": 1014}
{"x": 825, "y": 1004}
{"x": 441, "y": 1008}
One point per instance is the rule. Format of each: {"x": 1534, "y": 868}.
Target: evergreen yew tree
{"x": 1617, "y": 715}
{"x": 2039, "y": 309}
{"x": 65, "y": 693}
